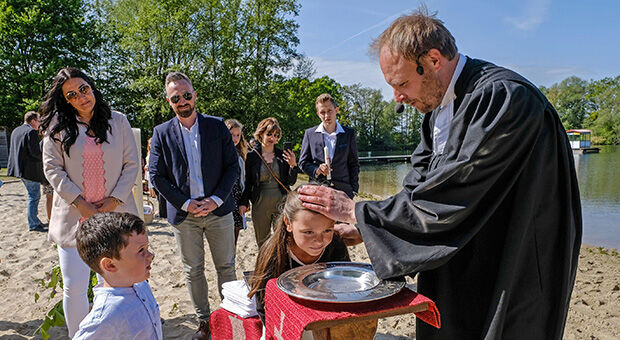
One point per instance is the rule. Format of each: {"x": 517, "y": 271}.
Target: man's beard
{"x": 433, "y": 93}
{"x": 186, "y": 111}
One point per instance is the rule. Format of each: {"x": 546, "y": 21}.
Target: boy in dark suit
{"x": 341, "y": 145}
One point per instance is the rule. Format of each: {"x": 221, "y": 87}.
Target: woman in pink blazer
{"x": 91, "y": 160}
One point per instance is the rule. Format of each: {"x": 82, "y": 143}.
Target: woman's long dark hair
{"x": 56, "y": 106}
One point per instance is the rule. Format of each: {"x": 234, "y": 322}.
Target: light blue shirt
{"x": 122, "y": 313}
{"x": 441, "y": 130}
{"x": 191, "y": 142}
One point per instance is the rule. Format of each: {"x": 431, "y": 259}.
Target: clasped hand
{"x": 201, "y": 207}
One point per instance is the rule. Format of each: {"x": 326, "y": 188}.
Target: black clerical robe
{"x": 493, "y": 224}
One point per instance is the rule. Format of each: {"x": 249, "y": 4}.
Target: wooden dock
{"x": 581, "y": 151}
{"x": 385, "y": 159}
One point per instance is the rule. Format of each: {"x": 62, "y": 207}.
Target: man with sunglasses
{"x": 194, "y": 165}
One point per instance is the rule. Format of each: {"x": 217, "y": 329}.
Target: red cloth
{"x": 286, "y": 316}
{"x": 225, "y": 325}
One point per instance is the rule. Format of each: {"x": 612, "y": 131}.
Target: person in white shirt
{"x": 342, "y": 170}
{"x": 115, "y": 245}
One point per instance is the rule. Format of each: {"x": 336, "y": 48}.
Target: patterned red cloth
{"x": 225, "y": 325}
{"x": 286, "y": 316}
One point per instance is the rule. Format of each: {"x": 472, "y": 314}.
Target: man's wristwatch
{"x": 77, "y": 200}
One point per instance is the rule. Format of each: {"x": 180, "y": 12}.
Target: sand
{"x": 25, "y": 257}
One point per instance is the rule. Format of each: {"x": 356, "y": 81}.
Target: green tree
{"x": 232, "y": 50}
{"x": 369, "y": 116}
{"x": 604, "y": 119}
{"x": 569, "y": 99}
{"x": 38, "y": 38}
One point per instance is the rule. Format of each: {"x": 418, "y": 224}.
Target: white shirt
{"x": 191, "y": 141}
{"x": 443, "y": 121}
{"x": 122, "y": 313}
{"x": 329, "y": 139}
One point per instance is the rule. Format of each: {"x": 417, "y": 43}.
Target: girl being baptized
{"x": 300, "y": 237}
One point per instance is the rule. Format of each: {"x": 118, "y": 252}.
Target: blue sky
{"x": 545, "y": 41}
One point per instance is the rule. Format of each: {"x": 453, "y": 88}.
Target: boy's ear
{"x": 107, "y": 264}
{"x": 287, "y": 224}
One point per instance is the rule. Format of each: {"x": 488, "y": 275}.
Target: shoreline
{"x": 26, "y": 257}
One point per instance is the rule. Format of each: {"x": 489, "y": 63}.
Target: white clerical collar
{"x": 450, "y": 95}
{"x": 321, "y": 129}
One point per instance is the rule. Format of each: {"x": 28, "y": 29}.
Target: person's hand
{"x": 152, "y": 192}
{"x": 86, "y": 209}
{"x": 207, "y": 205}
{"x": 242, "y": 210}
{"x": 106, "y": 205}
{"x": 332, "y": 203}
{"x": 348, "y": 233}
{"x": 193, "y": 207}
{"x": 323, "y": 169}
{"x": 289, "y": 157}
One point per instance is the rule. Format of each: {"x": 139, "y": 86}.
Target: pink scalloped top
{"x": 94, "y": 174}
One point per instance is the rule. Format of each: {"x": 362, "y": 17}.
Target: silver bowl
{"x": 339, "y": 282}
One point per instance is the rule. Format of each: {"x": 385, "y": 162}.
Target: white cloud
{"x": 534, "y": 13}
{"x": 347, "y": 72}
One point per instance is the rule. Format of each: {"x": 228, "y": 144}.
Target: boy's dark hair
{"x": 104, "y": 235}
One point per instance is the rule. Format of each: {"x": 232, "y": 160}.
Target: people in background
{"x": 269, "y": 173}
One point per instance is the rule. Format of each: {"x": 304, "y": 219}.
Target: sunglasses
{"x": 84, "y": 89}
{"x": 187, "y": 96}
{"x": 275, "y": 134}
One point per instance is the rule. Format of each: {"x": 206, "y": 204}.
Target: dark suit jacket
{"x": 25, "y": 155}
{"x": 345, "y": 165}
{"x": 287, "y": 175}
{"x": 169, "y": 172}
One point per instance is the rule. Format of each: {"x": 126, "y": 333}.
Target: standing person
{"x": 236, "y": 131}
{"x": 490, "y": 215}
{"x": 91, "y": 160}
{"x": 194, "y": 165}
{"x": 25, "y": 164}
{"x": 269, "y": 174}
{"x": 341, "y": 143}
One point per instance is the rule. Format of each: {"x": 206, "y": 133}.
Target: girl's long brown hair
{"x": 242, "y": 147}
{"x": 273, "y": 256}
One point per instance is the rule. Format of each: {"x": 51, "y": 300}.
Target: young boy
{"x": 115, "y": 245}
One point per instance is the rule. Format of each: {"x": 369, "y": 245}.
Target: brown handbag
{"x": 271, "y": 171}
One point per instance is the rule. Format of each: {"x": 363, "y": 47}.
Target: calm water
{"x": 599, "y": 185}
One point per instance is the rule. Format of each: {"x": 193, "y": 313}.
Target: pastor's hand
{"x": 332, "y": 203}
{"x": 348, "y": 233}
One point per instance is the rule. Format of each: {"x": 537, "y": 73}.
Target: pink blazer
{"x": 121, "y": 165}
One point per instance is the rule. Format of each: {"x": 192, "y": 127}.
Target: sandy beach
{"x": 25, "y": 257}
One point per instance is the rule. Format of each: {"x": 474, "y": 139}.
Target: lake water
{"x": 599, "y": 186}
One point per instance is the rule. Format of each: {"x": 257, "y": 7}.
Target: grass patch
{"x": 4, "y": 177}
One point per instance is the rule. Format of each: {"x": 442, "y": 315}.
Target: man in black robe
{"x": 490, "y": 215}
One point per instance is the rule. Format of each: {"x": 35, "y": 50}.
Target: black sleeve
{"x": 34, "y": 145}
{"x": 354, "y": 163}
{"x": 306, "y": 163}
{"x": 158, "y": 174}
{"x": 439, "y": 209}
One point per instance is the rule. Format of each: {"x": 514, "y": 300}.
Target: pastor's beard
{"x": 433, "y": 93}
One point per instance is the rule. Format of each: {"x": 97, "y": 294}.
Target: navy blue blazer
{"x": 345, "y": 165}
{"x": 169, "y": 172}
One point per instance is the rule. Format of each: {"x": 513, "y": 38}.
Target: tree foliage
{"x": 37, "y": 38}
